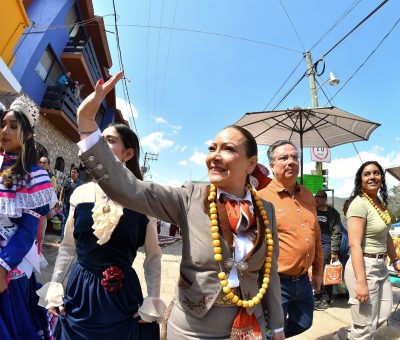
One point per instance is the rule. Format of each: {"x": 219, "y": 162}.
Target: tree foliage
{"x": 394, "y": 203}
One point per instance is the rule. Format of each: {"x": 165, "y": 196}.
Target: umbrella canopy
{"x": 394, "y": 171}
{"x": 322, "y": 126}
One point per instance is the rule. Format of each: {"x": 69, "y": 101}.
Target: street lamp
{"x": 314, "y": 94}
{"x": 333, "y": 80}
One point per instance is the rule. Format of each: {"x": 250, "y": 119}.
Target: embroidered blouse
{"x": 21, "y": 207}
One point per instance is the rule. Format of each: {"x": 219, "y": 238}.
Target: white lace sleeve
{"x": 153, "y": 307}
{"x": 52, "y": 293}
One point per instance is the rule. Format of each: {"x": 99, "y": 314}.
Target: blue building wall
{"x": 108, "y": 118}
{"x": 31, "y": 48}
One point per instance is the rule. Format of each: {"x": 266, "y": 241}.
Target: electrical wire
{"x": 323, "y": 91}
{"x": 147, "y": 68}
{"x": 329, "y": 51}
{"x": 358, "y": 154}
{"x": 355, "y": 28}
{"x": 166, "y": 63}
{"x": 291, "y": 23}
{"x": 121, "y": 64}
{"x": 156, "y": 71}
{"x": 185, "y": 30}
{"x": 289, "y": 91}
{"x": 283, "y": 84}
{"x": 352, "y": 6}
{"x": 368, "y": 57}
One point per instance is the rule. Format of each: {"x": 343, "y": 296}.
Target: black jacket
{"x": 335, "y": 229}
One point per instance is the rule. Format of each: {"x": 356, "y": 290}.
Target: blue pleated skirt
{"x": 20, "y": 316}
{"x": 94, "y": 313}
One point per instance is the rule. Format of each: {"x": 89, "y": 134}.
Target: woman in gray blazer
{"x": 229, "y": 285}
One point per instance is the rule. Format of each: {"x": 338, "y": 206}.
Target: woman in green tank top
{"x": 367, "y": 276}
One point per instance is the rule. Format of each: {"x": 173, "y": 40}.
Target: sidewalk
{"x": 325, "y": 322}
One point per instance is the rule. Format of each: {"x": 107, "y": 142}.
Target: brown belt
{"x": 375, "y": 256}
{"x": 292, "y": 277}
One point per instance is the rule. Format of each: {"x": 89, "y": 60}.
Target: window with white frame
{"x": 45, "y": 63}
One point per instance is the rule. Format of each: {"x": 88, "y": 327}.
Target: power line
{"x": 290, "y": 90}
{"x": 366, "y": 59}
{"x": 355, "y": 28}
{"x": 147, "y": 67}
{"x": 125, "y": 87}
{"x": 187, "y": 30}
{"x": 329, "y": 51}
{"x": 166, "y": 63}
{"x": 214, "y": 34}
{"x": 358, "y": 154}
{"x": 283, "y": 84}
{"x": 157, "y": 56}
{"x": 353, "y": 5}
{"x": 323, "y": 91}
{"x": 291, "y": 23}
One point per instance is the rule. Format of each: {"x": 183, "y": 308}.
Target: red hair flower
{"x": 112, "y": 280}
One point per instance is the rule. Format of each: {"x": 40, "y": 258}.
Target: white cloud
{"x": 124, "y": 107}
{"x": 180, "y": 148}
{"x": 175, "y": 128}
{"x": 198, "y": 158}
{"x": 160, "y": 120}
{"x": 342, "y": 170}
{"x": 156, "y": 142}
{"x": 183, "y": 163}
{"x": 208, "y": 142}
{"x": 174, "y": 183}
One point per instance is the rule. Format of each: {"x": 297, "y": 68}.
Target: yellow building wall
{"x": 12, "y": 24}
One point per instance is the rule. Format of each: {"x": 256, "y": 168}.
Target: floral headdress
{"x": 28, "y": 107}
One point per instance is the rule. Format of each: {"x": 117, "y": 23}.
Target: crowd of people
{"x": 248, "y": 242}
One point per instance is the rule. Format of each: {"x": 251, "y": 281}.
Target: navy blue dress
{"x": 92, "y": 312}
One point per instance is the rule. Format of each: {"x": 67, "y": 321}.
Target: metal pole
{"x": 314, "y": 96}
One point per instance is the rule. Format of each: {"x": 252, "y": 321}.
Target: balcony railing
{"x": 85, "y": 47}
{"x": 61, "y": 98}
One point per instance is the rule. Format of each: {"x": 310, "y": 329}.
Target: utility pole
{"x": 148, "y": 157}
{"x": 314, "y": 97}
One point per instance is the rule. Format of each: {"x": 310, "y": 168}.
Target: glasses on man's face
{"x": 286, "y": 158}
{"x": 319, "y": 196}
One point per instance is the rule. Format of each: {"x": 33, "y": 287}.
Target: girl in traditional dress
{"x": 103, "y": 298}
{"x": 229, "y": 286}
{"x": 26, "y": 193}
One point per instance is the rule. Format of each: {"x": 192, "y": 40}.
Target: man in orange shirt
{"x": 299, "y": 235}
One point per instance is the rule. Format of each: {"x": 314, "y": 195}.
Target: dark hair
{"x": 358, "y": 183}
{"x": 130, "y": 140}
{"x": 74, "y": 168}
{"x": 277, "y": 144}
{"x": 27, "y": 157}
{"x": 48, "y": 159}
{"x": 251, "y": 144}
{"x": 322, "y": 193}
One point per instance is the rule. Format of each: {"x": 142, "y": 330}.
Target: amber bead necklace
{"x": 218, "y": 250}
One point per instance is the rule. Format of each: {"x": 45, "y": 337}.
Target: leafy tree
{"x": 394, "y": 203}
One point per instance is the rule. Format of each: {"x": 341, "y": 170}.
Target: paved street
{"x": 325, "y": 322}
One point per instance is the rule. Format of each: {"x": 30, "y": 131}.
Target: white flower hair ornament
{"x": 28, "y": 107}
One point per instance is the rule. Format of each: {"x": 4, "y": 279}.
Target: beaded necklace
{"x": 218, "y": 250}
{"x": 384, "y": 214}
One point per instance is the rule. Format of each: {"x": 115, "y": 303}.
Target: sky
{"x": 194, "y": 67}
